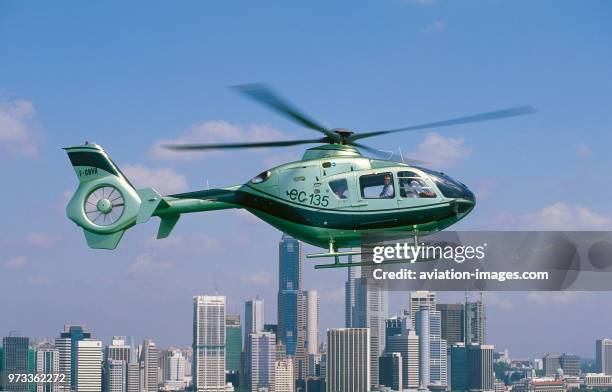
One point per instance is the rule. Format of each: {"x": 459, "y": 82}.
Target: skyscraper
{"x": 47, "y": 362}
{"x": 348, "y": 360}
{"x": 480, "y": 360}
{"x": 208, "y": 343}
{"x": 452, "y": 319}
{"x": 423, "y": 330}
{"x": 115, "y": 373}
{"x": 371, "y": 309}
{"x": 418, "y": 298}
{"x": 407, "y": 344}
{"x": 15, "y": 361}
{"x": 353, "y": 273}
{"x": 291, "y": 307}
{"x": 88, "y": 369}
{"x": 233, "y": 343}
{"x": 475, "y": 321}
{"x": 394, "y": 326}
{"x": 73, "y": 333}
{"x": 284, "y": 376}
{"x": 390, "y": 366}
{"x": 551, "y": 362}
{"x": 428, "y": 328}
{"x": 253, "y": 316}
{"x": 312, "y": 321}
{"x": 472, "y": 367}
{"x": 603, "y": 356}
{"x": 260, "y": 353}
{"x": 149, "y": 364}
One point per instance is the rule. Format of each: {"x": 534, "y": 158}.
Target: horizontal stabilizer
{"x": 103, "y": 241}
{"x": 150, "y": 200}
{"x": 167, "y": 224}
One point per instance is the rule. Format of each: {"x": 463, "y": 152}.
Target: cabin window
{"x": 340, "y": 188}
{"x": 412, "y": 186}
{"x": 258, "y": 179}
{"x": 377, "y": 186}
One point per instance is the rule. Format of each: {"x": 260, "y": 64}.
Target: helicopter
{"x": 332, "y": 198}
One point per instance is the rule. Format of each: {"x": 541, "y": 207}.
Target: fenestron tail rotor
{"x": 104, "y": 206}
{"x": 268, "y": 98}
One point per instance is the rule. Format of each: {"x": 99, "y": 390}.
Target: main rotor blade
{"x": 511, "y": 112}
{"x": 223, "y": 146}
{"x": 389, "y": 155}
{"x": 266, "y": 96}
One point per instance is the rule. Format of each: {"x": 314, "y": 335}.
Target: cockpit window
{"x": 449, "y": 187}
{"x": 377, "y": 186}
{"x": 340, "y": 188}
{"x": 413, "y": 186}
{"x": 258, "y": 179}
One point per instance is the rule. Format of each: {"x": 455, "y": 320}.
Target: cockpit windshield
{"x": 449, "y": 187}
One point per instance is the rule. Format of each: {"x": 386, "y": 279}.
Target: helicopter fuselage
{"x": 336, "y": 194}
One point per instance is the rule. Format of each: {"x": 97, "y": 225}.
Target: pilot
{"x": 387, "y": 192}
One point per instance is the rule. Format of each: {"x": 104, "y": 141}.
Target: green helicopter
{"x": 331, "y": 198}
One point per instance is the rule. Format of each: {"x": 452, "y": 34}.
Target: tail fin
{"x": 106, "y": 204}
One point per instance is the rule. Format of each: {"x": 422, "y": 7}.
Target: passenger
{"x": 387, "y": 192}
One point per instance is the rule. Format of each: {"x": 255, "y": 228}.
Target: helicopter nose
{"x": 466, "y": 201}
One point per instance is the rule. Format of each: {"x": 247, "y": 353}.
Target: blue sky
{"x": 132, "y": 76}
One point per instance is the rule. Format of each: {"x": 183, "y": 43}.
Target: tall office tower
{"x": 480, "y": 360}
{"x": 283, "y": 378}
{"x": 391, "y": 372}
{"x": 88, "y": 365}
{"x": 133, "y": 377}
{"x": 371, "y": 310}
{"x": 423, "y": 331}
{"x": 551, "y": 362}
{"x": 115, "y": 373}
{"x": 150, "y": 362}
{"x": 348, "y": 360}
{"x": 475, "y": 321}
{"x": 603, "y": 356}
{"x": 353, "y": 273}
{"x": 15, "y": 361}
{"x": 429, "y": 329}
{"x": 173, "y": 365}
{"x": 208, "y": 343}
{"x": 74, "y": 333}
{"x": 394, "y": 326}
{"x": 460, "y": 370}
{"x": 406, "y": 344}
{"x": 570, "y": 364}
{"x": 253, "y": 316}
{"x": 438, "y": 358}
{"x": 291, "y": 309}
{"x": 260, "y": 353}
{"x": 119, "y": 350}
{"x": 452, "y": 319}
{"x": 47, "y": 362}
{"x": 312, "y": 321}
{"x": 418, "y": 298}
{"x": 63, "y": 346}
{"x": 233, "y": 343}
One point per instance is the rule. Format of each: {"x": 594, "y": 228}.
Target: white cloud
{"x": 42, "y": 240}
{"x": 583, "y": 150}
{"x": 165, "y": 181}
{"x": 147, "y": 262}
{"x": 214, "y": 132}
{"x": 16, "y": 262}
{"x": 437, "y": 26}
{"x": 18, "y": 133}
{"x": 557, "y": 216}
{"x": 441, "y": 151}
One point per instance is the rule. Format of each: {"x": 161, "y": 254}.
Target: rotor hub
{"x": 343, "y": 133}
{"x": 104, "y": 205}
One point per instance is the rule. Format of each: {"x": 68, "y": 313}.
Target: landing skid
{"x": 333, "y": 252}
